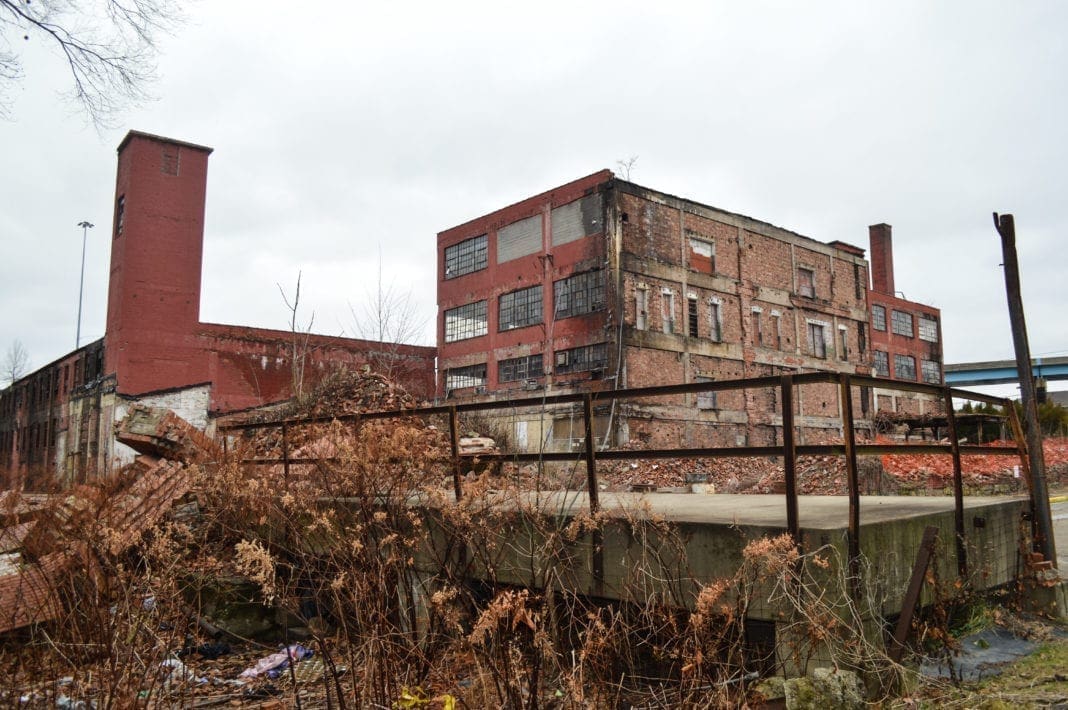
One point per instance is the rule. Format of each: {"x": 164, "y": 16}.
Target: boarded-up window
{"x": 641, "y": 308}
{"x": 577, "y": 219}
{"x": 691, "y": 316}
{"x": 519, "y": 239}
{"x": 170, "y": 160}
{"x": 705, "y": 400}
{"x": 702, "y": 255}
{"x": 806, "y": 282}
{"x": 817, "y": 340}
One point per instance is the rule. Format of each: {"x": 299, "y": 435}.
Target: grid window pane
{"x": 469, "y": 376}
{"x": 467, "y": 321}
{"x": 904, "y": 367}
{"x": 901, "y": 323}
{"x": 928, "y": 329}
{"x": 520, "y": 368}
{"x": 589, "y": 357}
{"x": 881, "y": 363}
{"x": 932, "y": 372}
{"x": 519, "y": 308}
{"x": 579, "y": 294}
{"x": 465, "y": 257}
{"x": 878, "y": 317}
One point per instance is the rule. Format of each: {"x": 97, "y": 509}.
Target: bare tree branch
{"x": 109, "y": 47}
{"x": 300, "y": 337}
{"x": 16, "y": 362}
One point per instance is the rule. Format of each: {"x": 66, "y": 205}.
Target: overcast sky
{"x": 354, "y": 130}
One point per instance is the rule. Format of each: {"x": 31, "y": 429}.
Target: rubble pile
{"x": 826, "y": 475}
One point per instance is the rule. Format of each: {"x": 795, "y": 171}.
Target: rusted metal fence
{"x": 789, "y": 450}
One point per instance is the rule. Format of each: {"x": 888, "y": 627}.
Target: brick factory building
{"x": 58, "y": 419}
{"x": 906, "y": 337}
{"x": 601, "y": 283}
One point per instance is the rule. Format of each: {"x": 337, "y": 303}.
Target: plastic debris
{"x": 273, "y": 665}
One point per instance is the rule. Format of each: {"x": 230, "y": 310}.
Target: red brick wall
{"x": 882, "y": 259}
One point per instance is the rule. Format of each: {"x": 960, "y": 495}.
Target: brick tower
{"x": 156, "y": 256}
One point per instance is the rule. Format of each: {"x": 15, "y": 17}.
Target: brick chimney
{"x": 882, "y": 259}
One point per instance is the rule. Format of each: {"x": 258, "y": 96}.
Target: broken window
{"x": 716, "y": 321}
{"x": 862, "y": 338}
{"x": 469, "y": 376}
{"x": 904, "y": 367}
{"x": 579, "y": 294}
{"x": 465, "y": 257}
{"x": 928, "y": 328}
{"x": 881, "y": 363}
{"x": 843, "y": 343}
{"x": 667, "y": 311}
{"x": 817, "y": 340}
{"x": 776, "y": 329}
{"x": 641, "y": 308}
{"x": 520, "y": 368}
{"x": 932, "y": 371}
{"x": 859, "y": 283}
{"x": 702, "y": 255}
{"x": 758, "y": 326}
{"x": 806, "y": 282}
{"x": 467, "y": 321}
{"x": 878, "y": 318}
{"x": 901, "y": 323}
{"x": 691, "y": 316}
{"x": 519, "y": 308}
{"x": 120, "y": 214}
{"x": 705, "y": 400}
{"x": 588, "y": 357}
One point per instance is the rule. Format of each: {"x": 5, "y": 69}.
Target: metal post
{"x": 848, "y": 439}
{"x": 1006, "y": 227}
{"x": 789, "y": 458}
{"x": 454, "y": 447}
{"x": 86, "y": 226}
{"x": 596, "y": 536}
{"x": 285, "y": 450}
{"x": 958, "y": 484}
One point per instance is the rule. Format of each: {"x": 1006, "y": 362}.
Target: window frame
{"x": 820, "y": 351}
{"x": 517, "y": 369}
{"x": 883, "y": 371}
{"x": 906, "y": 363}
{"x": 584, "y": 358}
{"x": 897, "y": 321}
{"x": 467, "y": 257}
{"x": 807, "y": 283}
{"x": 532, "y": 307}
{"x": 466, "y": 372}
{"x": 587, "y": 285}
{"x": 878, "y": 318}
{"x": 926, "y": 367}
{"x": 455, "y": 332}
{"x": 927, "y": 328}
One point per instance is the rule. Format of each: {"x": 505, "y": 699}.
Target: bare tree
{"x": 109, "y": 47}
{"x": 626, "y": 166}
{"x": 16, "y": 362}
{"x": 389, "y": 316}
{"x": 300, "y": 336}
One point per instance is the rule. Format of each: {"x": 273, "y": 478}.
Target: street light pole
{"x": 86, "y": 226}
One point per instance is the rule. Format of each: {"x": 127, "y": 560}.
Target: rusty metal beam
{"x": 789, "y": 458}
{"x": 912, "y": 595}
{"x": 958, "y": 487}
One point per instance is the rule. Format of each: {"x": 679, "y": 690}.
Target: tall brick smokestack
{"x": 882, "y": 259}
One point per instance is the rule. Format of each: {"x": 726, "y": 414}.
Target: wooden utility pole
{"x": 1006, "y": 227}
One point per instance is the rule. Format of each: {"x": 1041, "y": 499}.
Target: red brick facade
{"x": 684, "y": 292}
{"x": 59, "y": 418}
